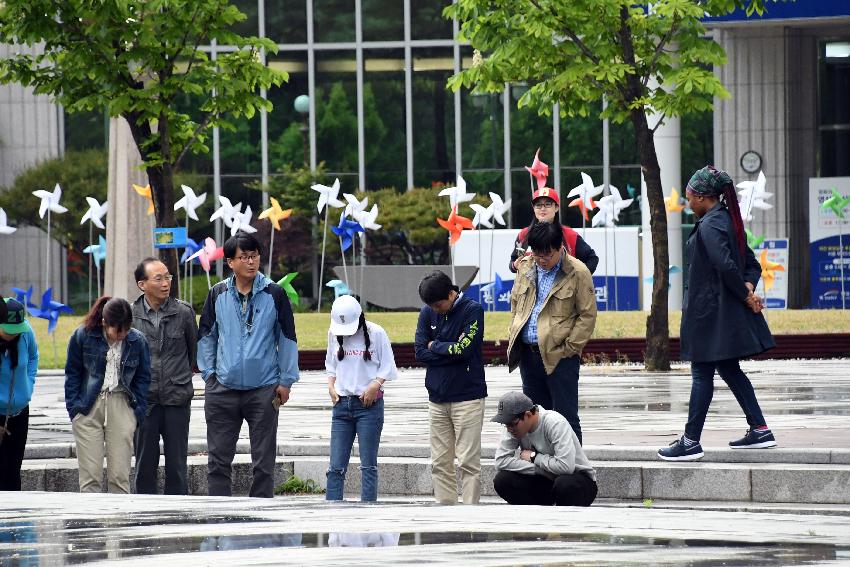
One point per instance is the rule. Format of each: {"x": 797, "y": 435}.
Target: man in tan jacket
{"x": 553, "y": 308}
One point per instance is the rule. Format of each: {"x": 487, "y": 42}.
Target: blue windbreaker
{"x": 253, "y": 349}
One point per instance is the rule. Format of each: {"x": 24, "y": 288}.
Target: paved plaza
{"x": 806, "y": 403}
{"x": 786, "y": 506}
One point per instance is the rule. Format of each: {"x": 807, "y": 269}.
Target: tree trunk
{"x": 161, "y": 179}
{"x": 657, "y": 355}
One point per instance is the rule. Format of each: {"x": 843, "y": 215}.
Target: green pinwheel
{"x": 286, "y": 283}
{"x": 753, "y": 241}
{"x": 836, "y": 203}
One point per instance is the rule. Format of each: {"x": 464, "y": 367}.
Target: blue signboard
{"x": 788, "y": 10}
{"x": 826, "y": 262}
{"x": 169, "y": 237}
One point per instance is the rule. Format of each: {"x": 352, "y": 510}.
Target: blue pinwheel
{"x": 339, "y": 288}
{"x": 191, "y": 248}
{"x": 24, "y": 297}
{"x": 493, "y": 290}
{"x": 346, "y": 229}
{"x": 50, "y": 310}
{"x": 97, "y": 251}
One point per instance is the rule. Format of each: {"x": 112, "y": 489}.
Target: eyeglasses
{"x": 544, "y": 205}
{"x": 160, "y": 279}
{"x": 547, "y": 256}
{"x": 248, "y": 258}
{"x": 514, "y": 422}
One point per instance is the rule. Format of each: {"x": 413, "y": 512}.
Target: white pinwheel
{"x": 367, "y": 218}
{"x": 499, "y": 208}
{"x": 242, "y": 221}
{"x": 328, "y": 196}
{"x": 482, "y": 215}
{"x": 50, "y": 201}
{"x": 95, "y": 212}
{"x": 355, "y": 207}
{"x": 4, "y": 223}
{"x": 227, "y": 211}
{"x": 586, "y": 191}
{"x": 753, "y": 196}
{"x": 190, "y": 202}
{"x": 457, "y": 194}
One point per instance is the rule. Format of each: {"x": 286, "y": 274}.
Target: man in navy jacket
{"x": 448, "y": 341}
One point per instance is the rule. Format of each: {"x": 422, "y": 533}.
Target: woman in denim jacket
{"x": 107, "y": 376}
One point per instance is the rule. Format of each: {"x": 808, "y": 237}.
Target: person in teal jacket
{"x": 18, "y": 367}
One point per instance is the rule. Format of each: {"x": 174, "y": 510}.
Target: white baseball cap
{"x": 345, "y": 316}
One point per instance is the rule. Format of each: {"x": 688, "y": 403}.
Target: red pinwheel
{"x": 538, "y": 170}
{"x": 455, "y": 224}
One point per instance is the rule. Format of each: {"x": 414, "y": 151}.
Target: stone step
{"x": 624, "y": 480}
{"x": 594, "y": 453}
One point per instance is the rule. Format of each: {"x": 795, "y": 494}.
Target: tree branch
{"x": 572, "y": 35}
{"x": 659, "y": 49}
{"x": 201, "y": 127}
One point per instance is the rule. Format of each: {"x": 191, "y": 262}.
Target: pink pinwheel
{"x": 538, "y": 170}
{"x": 209, "y": 253}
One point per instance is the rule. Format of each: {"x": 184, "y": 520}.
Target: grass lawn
{"x": 312, "y": 328}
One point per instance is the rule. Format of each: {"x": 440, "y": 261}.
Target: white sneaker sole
{"x": 685, "y": 458}
{"x": 762, "y": 445}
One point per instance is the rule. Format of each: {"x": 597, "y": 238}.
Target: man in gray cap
{"x": 540, "y": 460}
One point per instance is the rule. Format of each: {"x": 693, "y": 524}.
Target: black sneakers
{"x": 677, "y": 451}
{"x": 754, "y": 439}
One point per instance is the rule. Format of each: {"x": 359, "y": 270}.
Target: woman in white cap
{"x": 18, "y": 367}
{"x": 358, "y": 362}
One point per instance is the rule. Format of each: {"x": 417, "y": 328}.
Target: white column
{"x": 668, "y": 149}
{"x": 129, "y": 236}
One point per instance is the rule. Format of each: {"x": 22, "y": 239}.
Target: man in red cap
{"x": 546, "y": 205}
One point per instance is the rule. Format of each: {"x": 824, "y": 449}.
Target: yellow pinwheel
{"x": 767, "y": 270}
{"x": 146, "y": 193}
{"x": 673, "y": 203}
{"x": 275, "y": 213}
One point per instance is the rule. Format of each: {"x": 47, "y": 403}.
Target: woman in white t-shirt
{"x": 358, "y": 362}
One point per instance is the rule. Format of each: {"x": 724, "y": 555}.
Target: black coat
{"x": 716, "y": 322}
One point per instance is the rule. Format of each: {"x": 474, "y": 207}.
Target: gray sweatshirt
{"x": 557, "y": 447}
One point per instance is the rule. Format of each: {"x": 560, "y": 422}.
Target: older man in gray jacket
{"x": 170, "y": 327}
{"x": 540, "y": 460}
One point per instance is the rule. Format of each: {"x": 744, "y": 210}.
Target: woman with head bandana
{"x": 721, "y": 315}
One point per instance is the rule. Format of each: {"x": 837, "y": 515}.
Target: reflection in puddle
{"x": 80, "y": 541}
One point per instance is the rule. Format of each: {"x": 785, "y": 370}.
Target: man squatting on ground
{"x": 539, "y": 460}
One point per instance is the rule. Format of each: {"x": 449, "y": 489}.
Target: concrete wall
{"x": 30, "y": 128}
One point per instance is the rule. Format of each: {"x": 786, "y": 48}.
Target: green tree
{"x": 137, "y": 58}
{"x": 642, "y": 58}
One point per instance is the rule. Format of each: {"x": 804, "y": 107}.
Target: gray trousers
{"x": 172, "y": 423}
{"x": 225, "y": 409}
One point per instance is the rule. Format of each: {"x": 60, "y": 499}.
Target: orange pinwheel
{"x": 579, "y": 202}
{"x": 673, "y": 203}
{"x": 275, "y": 213}
{"x": 767, "y": 270}
{"x": 455, "y": 224}
{"x": 146, "y": 193}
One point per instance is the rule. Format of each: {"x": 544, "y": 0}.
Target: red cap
{"x": 546, "y": 192}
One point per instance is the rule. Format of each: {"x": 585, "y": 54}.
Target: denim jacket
{"x": 86, "y": 368}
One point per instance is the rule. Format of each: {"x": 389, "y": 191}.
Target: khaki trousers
{"x": 455, "y": 431}
{"x": 111, "y": 420}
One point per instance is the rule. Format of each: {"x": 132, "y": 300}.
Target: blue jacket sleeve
{"x": 73, "y": 372}
{"x": 142, "y": 380}
{"x": 32, "y": 366}
{"x": 470, "y": 339}
{"x": 208, "y": 337}
{"x": 287, "y": 342}
{"x": 423, "y": 336}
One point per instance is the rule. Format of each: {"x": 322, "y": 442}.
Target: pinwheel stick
{"x": 91, "y": 243}
{"x": 271, "y": 252}
{"x": 344, "y": 266}
{"x": 322, "y": 263}
{"x": 841, "y": 259}
{"x": 47, "y": 255}
{"x": 184, "y": 292}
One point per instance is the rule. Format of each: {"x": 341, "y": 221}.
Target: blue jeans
{"x": 351, "y": 418}
{"x": 702, "y": 390}
{"x": 557, "y": 391}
